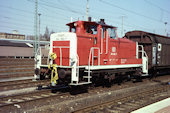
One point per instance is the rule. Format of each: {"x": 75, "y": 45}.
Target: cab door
{"x": 103, "y": 41}
{"x": 104, "y": 44}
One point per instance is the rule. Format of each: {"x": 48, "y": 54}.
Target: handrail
{"x": 107, "y": 36}
{"x": 77, "y": 66}
{"x": 137, "y": 50}
{"x": 38, "y": 57}
{"x": 144, "y": 55}
{"x": 60, "y": 47}
{"x": 101, "y": 41}
{"x": 92, "y": 53}
{"x": 60, "y": 56}
{"x": 142, "y": 50}
{"x": 48, "y": 58}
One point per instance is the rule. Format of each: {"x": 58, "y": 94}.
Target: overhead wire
{"x": 161, "y": 9}
{"x": 127, "y": 24}
{"x": 26, "y": 17}
{"x": 127, "y": 10}
{"x": 16, "y": 26}
{"x": 44, "y": 4}
{"x": 16, "y": 19}
{"x": 47, "y": 9}
{"x": 17, "y": 9}
{"x": 26, "y": 27}
{"x": 28, "y": 11}
{"x": 68, "y": 8}
{"x": 157, "y": 6}
{"x": 59, "y": 8}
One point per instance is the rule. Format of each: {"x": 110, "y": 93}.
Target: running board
{"x": 81, "y": 83}
{"x": 87, "y": 71}
{"x": 145, "y": 75}
{"x": 87, "y": 77}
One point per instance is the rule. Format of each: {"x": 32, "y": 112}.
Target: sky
{"x": 145, "y": 15}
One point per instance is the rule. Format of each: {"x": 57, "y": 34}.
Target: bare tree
{"x": 47, "y": 35}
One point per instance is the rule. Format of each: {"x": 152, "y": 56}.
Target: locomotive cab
{"x": 92, "y": 29}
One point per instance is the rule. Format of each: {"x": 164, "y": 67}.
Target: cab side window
{"x": 112, "y": 33}
{"x": 92, "y": 29}
{"x": 73, "y": 29}
{"x": 103, "y": 31}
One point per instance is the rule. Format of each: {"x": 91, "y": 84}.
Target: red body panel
{"x": 125, "y": 52}
{"x": 62, "y": 50}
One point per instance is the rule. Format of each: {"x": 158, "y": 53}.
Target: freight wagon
{"x": 157, "y": 48}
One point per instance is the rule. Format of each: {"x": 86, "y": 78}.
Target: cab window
{"x": 73, "y": 29}
{"x": 103, "y": 32}
{"x": 92, "y": 29}
{"x": 112, "y": 33}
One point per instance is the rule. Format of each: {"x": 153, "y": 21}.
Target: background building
{"x": 12, "y": 36}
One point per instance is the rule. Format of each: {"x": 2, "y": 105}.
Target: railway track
{"x": 14, "y": 102}
{"x": 32, "y": 101}
{"x": 12, "y": 68}
{"x": 19, "y": 61}
{"x": 11, "y": 85}
{"x": 26, "y": 97}
{"x": 129, "y": 102}
{"x": 16, "y": 67}
{"x": 16, "y": 73}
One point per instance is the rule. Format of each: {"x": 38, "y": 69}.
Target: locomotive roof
{"x": 91, "y": 23}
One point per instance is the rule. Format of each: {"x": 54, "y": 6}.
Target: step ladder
{"x": 91, "y": 56}
{"x": 88, "y": 71}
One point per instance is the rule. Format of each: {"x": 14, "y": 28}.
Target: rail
{"x": 129, "y": 102}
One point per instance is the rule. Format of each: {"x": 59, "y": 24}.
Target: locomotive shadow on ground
{"x": 65, "y": 88}
{"x": 74, "y": 90}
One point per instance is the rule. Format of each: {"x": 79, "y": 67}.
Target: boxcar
{"x": 157, "y": 48}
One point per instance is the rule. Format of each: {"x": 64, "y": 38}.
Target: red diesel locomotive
{"x": 92, "y": 51}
